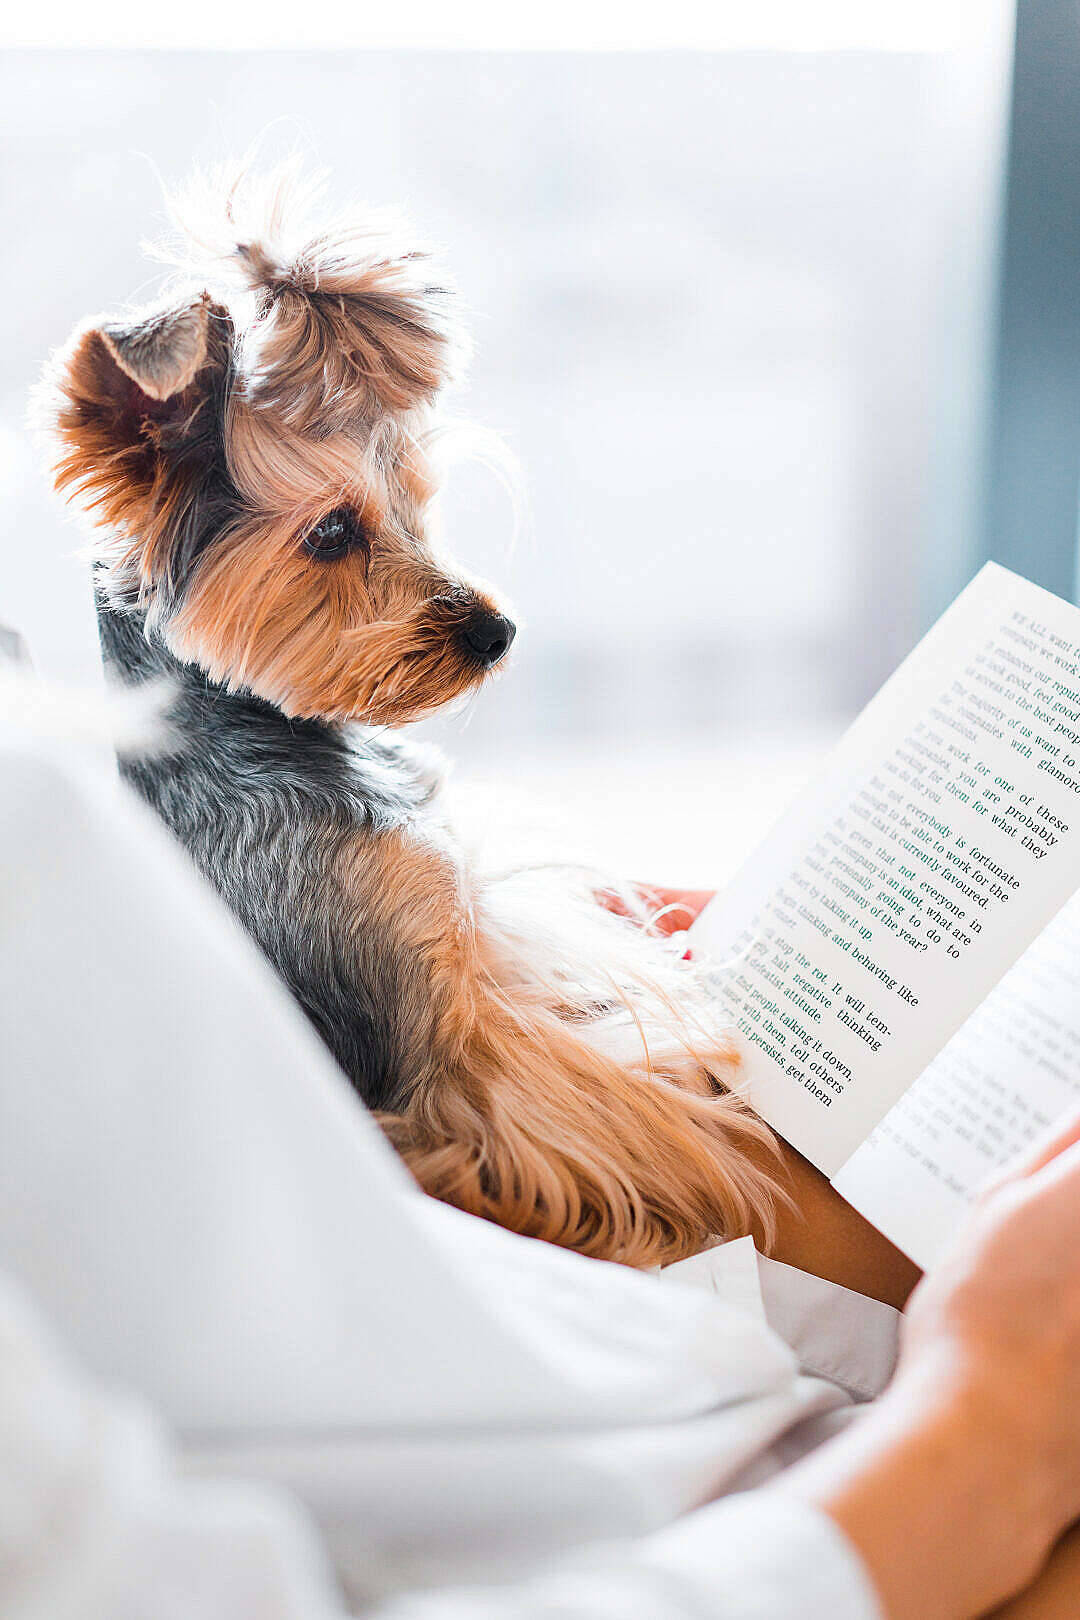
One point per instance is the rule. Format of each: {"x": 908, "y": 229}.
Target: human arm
{"x": 956, "y": 1486}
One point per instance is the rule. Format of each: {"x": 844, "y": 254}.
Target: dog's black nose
{"x": 488, "y": 636}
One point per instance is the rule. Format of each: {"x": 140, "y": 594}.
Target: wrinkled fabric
{"x": 196, "y": 1203}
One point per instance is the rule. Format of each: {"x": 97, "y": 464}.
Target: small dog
{"x": 256, "y": 452}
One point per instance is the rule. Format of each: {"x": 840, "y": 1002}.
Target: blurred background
{"x": 742, "y": 315}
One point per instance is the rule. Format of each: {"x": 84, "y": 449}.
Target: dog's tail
{"x": 595, "y": 1102}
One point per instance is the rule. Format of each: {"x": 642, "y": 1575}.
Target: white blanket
{"x": 197, "y": 1204}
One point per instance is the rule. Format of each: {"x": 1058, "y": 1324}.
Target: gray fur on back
{"x": 265, "y": 805}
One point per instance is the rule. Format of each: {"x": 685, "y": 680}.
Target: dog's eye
{"x": 335, "y": 534}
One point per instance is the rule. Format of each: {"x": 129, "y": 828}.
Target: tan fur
{"x": 621, "y": 1136}
{"x": 537, "y": 1131}
{"x": 368, "y": 636}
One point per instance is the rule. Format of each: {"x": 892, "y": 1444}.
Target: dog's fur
{"x": 534, "y": 1059}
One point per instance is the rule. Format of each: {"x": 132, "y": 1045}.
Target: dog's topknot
{"x": 345, "y": 322}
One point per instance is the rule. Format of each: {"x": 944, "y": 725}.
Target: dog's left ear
{"x": 135, "y": 409}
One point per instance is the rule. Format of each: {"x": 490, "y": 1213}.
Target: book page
{"x": 939, "y": 840}
{"x": 1002, "y": 1082}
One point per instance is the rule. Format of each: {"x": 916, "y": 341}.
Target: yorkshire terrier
{"x": 257, "y": 455}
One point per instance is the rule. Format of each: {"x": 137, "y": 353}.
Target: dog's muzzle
{"x": 487, "y": 637}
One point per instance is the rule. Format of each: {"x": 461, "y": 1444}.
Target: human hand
{"x": 1000, "y": 1319}
{"x": 669, "y": 910}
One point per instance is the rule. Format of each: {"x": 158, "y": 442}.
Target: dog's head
{"x": 257, "y": 460}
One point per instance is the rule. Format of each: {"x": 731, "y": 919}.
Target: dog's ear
{"x": 160, "y": 352}
{"x": 135, "y": 410}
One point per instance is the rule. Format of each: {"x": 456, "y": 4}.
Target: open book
{"x": 899, "y": 955}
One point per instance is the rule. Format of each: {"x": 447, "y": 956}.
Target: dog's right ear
{"x": 161, "y": 352}
{"x": 135, "y": 409}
